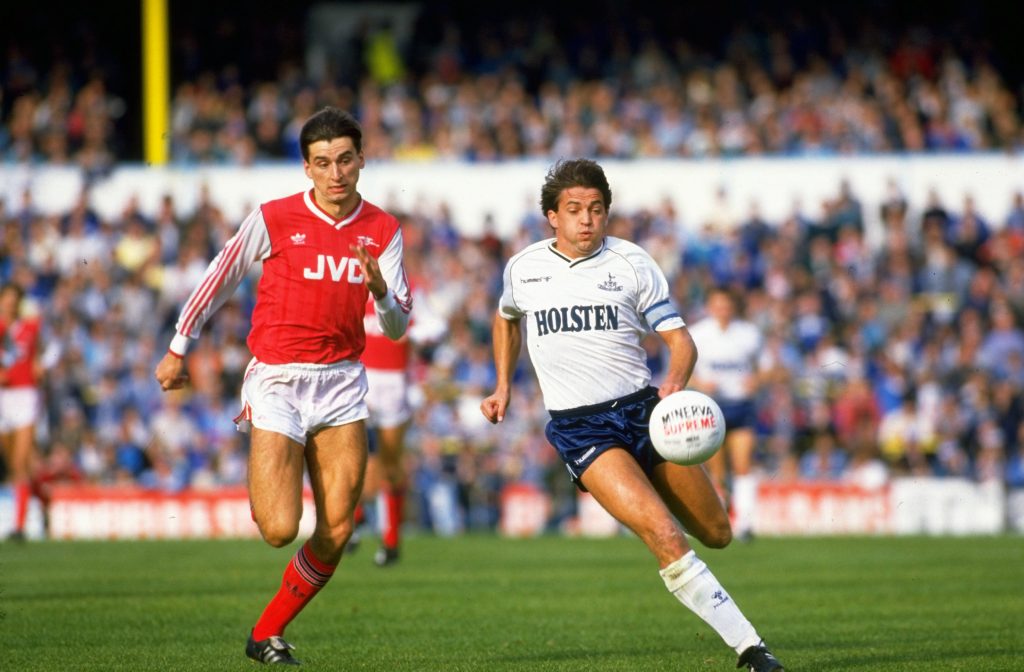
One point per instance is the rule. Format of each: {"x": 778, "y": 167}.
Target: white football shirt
{"x": 727, "y": 356}
{"x": 585, "y": 317}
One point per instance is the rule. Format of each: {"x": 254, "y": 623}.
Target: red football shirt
{"x": 19, "y": 346}
{"x": 381, "y": 352}
{"x": 312, "y": 295}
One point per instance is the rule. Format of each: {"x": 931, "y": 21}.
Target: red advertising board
{"x": 524, "y": 510}
{"x": 131, "y": 513}
{"x": 809, "y": 508}
{"x": 903, "y": 506}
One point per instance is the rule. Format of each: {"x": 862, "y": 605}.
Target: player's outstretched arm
{"x": 682, "y": 358}
{"x": 250, "y": 243}
{"x": 507, "y": 343}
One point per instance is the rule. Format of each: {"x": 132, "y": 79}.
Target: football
{"x": 687, "y": 427}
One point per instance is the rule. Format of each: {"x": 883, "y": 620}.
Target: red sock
{"x": 394, "y": 498}
{"x": 20, "y": 504}
{"x": 303, "y": 578}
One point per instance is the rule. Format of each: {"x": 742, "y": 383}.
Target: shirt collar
{"x": 573, "y": 262}
{"x": 311, "y": 204}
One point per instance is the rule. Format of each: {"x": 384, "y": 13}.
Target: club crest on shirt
{"x": 610, "y": 285}
{"x": 367, "y": 241}
{"x": 299, "y": 239}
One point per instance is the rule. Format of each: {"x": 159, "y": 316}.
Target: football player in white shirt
{"x": 728, "y": 371}
{"x": 586, "y": 299}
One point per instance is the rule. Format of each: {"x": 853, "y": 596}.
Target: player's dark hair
{"x": 730, "y": 292}
{"x": 569, "y": 173}
{"x": 328, "y": 124}
{"x": 18, "y": 290}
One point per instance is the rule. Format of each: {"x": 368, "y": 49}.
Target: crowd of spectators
{"x": 902, "y": 357}
{"x": 516, "y": 88}
{"x": 905, "y": 358}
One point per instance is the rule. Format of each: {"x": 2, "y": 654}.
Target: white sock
{"x": 693, "y": 584}
{"x": 380, "y": 513}
{"x": 744, "y": 499}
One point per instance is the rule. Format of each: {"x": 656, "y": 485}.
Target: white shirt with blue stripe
{"x": 585, "y": 317}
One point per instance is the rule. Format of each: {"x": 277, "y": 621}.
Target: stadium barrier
{"x": 502, "y": 194}
{"x": 130, "y": 513}
{"x": 525, "y": 509}
{"x": 526, "y": 512}
{"x": 934, "y": 506}
{"x": 1015, "y": 510}
{"x": 906, "y": 506}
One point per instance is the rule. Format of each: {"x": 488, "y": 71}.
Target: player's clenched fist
{"x": 170, "y": 372}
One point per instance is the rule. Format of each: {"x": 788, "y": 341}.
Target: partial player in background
{"x": 324, "y": 253}
{"x": 20, "y": 401}
{"x": 728, "y": 371}
{"x": 57, "y": 468}
{"x": 586, "y": 300}
{"x": 387, "y": 365}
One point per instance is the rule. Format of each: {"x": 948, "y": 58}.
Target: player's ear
{"x": 553, "y": 219}
{"x": 308, "y": 168}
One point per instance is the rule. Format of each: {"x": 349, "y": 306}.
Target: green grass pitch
{"x": 485, "y": 603}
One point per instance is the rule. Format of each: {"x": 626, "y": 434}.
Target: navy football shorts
{"x": 581, "y": 434}
{"x": 738, "y": 414}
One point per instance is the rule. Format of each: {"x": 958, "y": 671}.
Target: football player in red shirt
{"x": 19, "y": 397}
{"x": 324, "y": 252}
{"x": 386, "y": 363}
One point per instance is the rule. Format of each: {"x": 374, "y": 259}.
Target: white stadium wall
{"x": 506, "y": 192}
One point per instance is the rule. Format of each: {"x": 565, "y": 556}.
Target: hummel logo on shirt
{"x": 543, "y": 278}
{"x": 299, "y": 239}
{"x": 610, "y": 285}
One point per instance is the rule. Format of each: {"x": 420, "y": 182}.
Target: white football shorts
{"x": 387, "y": 398}
{"x": 19, "y": 406}
{"x": 298, "y": 400}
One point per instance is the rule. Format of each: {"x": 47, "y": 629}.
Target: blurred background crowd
{"x": 450, "y": 83}
{"x": 904, "y": 357}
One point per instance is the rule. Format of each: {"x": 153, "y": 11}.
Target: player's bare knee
{"x": 279, "y": 541}
{"x": 718, "y": 536}
{"x": 279, "y": 533}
